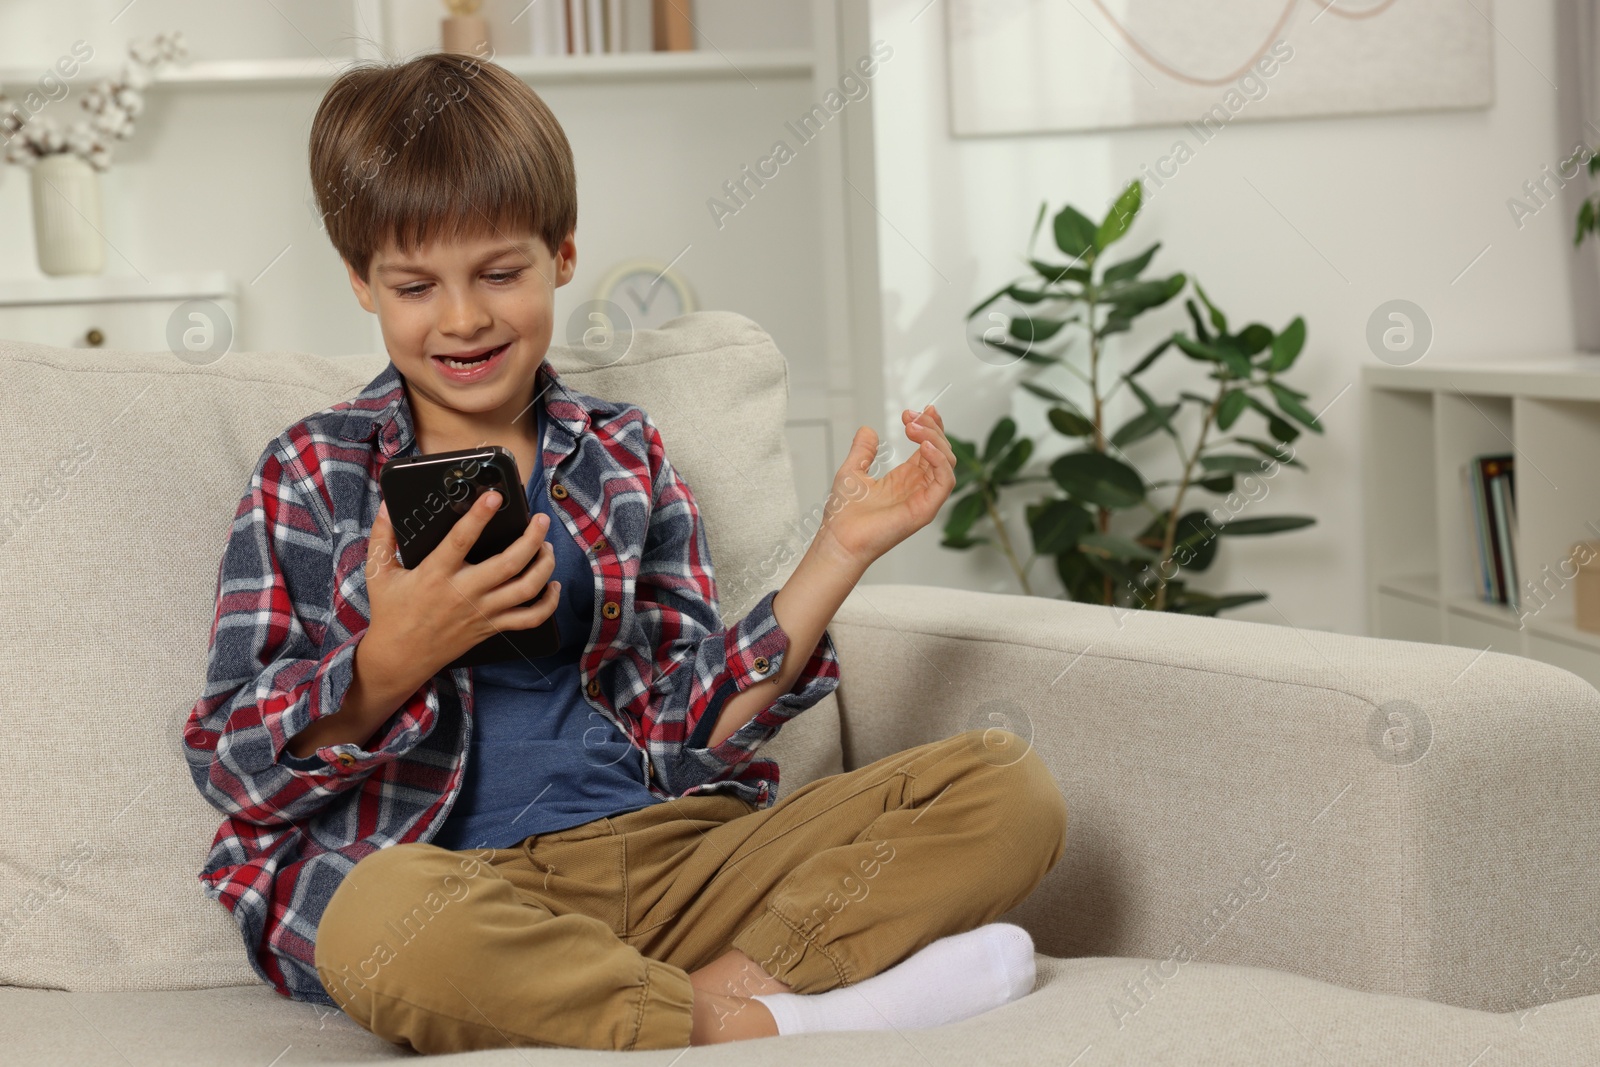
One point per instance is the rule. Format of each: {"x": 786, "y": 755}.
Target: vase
{"x": 66, "y": 216}
{"x": 464, "y": 33}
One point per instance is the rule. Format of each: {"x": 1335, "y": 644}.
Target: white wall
{"x": 1400, "y": 205}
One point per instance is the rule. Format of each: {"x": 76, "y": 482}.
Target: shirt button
{"x": 599, "y": 543}
{"x": 558, "y": 491}
{"x": 761, "y": 665}
{"x": 345, "y": 759}
{"x": 593, "y": 688}
{"x": 611, "y": 609}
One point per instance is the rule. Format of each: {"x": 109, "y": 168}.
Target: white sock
{"x": 950, "y": 979}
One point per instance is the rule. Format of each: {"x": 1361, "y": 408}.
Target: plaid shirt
{"x": 292, "y": 606}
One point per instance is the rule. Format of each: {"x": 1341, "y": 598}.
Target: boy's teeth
{"x": 463, "y": 364}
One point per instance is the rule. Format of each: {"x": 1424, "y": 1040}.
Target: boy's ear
{"x": 566, "y": 259}
{"x": 359, "y": 284}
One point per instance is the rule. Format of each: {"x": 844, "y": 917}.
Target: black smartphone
{"x": 428, "y": 494}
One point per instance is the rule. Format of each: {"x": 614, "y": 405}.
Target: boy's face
{"x": 486, "y": 300}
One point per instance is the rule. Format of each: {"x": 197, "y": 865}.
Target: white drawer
{"x": 136, "y": 325}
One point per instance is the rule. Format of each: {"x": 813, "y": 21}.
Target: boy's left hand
{"x": 870, "y": 515}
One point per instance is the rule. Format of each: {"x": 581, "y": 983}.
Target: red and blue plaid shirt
{"x": 292, "y": 606}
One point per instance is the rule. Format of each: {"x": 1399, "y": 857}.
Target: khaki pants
{"x": 583, "y": 938}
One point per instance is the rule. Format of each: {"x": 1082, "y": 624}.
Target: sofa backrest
{"x": 119, "y": 476}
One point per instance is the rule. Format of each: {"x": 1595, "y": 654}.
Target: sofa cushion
{"x": 119, "y": 476}
{"x": 1081, "y": 1013}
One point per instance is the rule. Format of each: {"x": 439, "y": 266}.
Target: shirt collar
{"x": 382, "y": 409}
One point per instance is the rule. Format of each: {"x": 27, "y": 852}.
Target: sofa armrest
{"x": 1391, "y": 816}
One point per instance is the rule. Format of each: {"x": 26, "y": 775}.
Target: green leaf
{"x": 1276, "y": 453}
{"x": 989, "y": 300}
{"x": 1120, "y": 217}
{"x": 1098, "y": 478}
{"x": 1280, "y": 430}
{"x": 1029, "y": 296}
{"x": 1045, "y": 392}
{"x": 968, "y": 467}
{"x": 1130, "y": 268}
{"x": 1005, "y": 471}
{"x": 1038, "y": 221}
{"x": 1267, "y": 524}
{"x": 963, "y": 542}
{"x": 1233, "y": 464}
{"x": 999, "y": 438}
{"x": 1201, "y": 604}
{"x": 1286, "y": 347}
{"x": 1218, "y": 319}
{"x": 1133, "y": 298}
{"x": 1120, "y": 573}
{"x": 1144, "y": 397}
{"x": 1070, "y": 422}
{"x": 1020, "y": 351}
{"x": 1144, "y": 424}
{"x": 1116, "y": 547}
{"x": 1032, "y": 331}
{"x": 1293, "y": 408}
{"x": 1222, "y": 483}
{"x": 1200, "y": 330}
{"x": 1254, "y": 338}
{"x": 1150, "y": 357}
{"x": 963, "y": 514}
{"x": 1237, "y": 365}
{"x": 1194, "y": 542}
{"x": 1075, "y": 234}
{"x": 1231, "y": 407}
{"x": 1056, "y": 525}
{"x": 1056, "y": 273}
{"x": 1113, "y": 325}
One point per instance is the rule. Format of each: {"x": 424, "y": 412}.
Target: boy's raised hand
{"x": 877, "y": 514}
{"x": 423, "y": 618}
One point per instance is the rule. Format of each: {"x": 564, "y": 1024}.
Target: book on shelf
{"x": 1492, "y": 485}
{"x": 591, "y": 27}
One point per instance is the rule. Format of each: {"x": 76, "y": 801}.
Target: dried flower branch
{"x": 112, "y": 107}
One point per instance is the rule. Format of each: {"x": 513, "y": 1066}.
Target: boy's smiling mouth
{"x": 471, "y": 365}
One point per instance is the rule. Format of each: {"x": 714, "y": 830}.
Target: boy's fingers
{"x": 464, "y": 534}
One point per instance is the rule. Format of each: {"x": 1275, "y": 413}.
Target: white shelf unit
{"x": 1424, "y": 424}
{"x": 538, "y": 70}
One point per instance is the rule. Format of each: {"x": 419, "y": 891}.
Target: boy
{"x": 581, "y": 851}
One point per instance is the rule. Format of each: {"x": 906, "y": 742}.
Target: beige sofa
{"x": 1286, "y": 847}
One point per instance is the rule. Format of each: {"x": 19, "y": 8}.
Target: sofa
{"x": 1285, "y": 846}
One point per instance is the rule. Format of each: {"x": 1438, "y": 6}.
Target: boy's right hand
{"x": 425, "y": 617}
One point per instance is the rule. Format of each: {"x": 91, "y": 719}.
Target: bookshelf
{"x": 1424, "y": 423}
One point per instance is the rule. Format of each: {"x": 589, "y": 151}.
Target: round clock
{"x": 648, "y": 291}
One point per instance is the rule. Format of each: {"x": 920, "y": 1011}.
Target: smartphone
{"x": 426, "y": 496}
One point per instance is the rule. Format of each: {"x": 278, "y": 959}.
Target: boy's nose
{"x": 462, "y": 315}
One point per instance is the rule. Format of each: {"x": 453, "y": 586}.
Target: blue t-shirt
{"x": 541, "y": 758}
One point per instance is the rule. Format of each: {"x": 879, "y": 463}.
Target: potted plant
{"x": 1116, "y": 537}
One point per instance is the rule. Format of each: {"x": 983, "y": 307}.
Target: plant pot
{"x": 66, "y": 216}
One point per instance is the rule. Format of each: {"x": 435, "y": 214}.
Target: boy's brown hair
{"x": 443, "y": 146}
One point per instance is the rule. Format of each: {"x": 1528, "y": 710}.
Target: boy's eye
{"x": 502, "y": 277}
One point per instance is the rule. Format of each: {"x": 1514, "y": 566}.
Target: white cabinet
{"x": 99, "y": 312}
{"x": 1424, "y": 424}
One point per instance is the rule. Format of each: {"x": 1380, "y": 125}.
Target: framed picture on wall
{"x": 1023, "y": 66}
